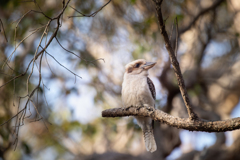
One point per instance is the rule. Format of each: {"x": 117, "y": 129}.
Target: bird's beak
{"x": 148, "y": 65}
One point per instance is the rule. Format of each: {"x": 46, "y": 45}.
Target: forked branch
{"x": 174, "y": 61}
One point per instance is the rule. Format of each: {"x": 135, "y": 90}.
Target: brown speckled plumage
{"x": 151, "y": 88}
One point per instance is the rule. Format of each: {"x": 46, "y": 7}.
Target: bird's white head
{"x": 138, "y": 67}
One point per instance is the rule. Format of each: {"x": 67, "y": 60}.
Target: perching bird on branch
{"x": 138, "y": 90}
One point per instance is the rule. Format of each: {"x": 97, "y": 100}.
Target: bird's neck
{"x": 129, "y": 77}
{"x": 134, "y": 79}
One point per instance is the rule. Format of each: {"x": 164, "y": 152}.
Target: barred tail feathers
{"x": 150, "y": 143}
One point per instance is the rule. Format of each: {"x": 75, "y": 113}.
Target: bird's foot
{"x": 139, "y": 107}
{"x": 127, "y": 108}
{"x": 147, "y": 107}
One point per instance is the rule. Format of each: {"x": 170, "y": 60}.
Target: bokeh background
{"x": 125, "y": 30}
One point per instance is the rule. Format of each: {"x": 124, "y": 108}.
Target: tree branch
{"x": 183, "y": 123}
{"x": 91, "y": 15}
{"x": 175, "y": 64}
{"x": 3, "y": 30}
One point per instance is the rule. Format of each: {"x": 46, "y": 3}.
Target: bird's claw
{"x": 148, "y": 107}
{"x": 139, "y": 107}
{"x": 127, "y": 108}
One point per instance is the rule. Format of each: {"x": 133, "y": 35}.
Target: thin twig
{"x": 34, "y": 59}
{"x": 87, "y": 61}
{"x": 170, "y": 37}
{"x": 3, "y": 30}
{"x": 9, "y": 57}
{"x": 61, "y": 64}
{"x": 68, "y": 50}
{"x": 176, "y": 44}
{"x": 91, "y": 15}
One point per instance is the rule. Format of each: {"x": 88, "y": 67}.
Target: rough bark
{"x": 183, "y": 123}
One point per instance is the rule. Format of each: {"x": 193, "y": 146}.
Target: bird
{"x": 138, "y": 90}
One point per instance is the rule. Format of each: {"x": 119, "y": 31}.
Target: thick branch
{"x": 174, "y": 61}
{"x": 183, "y": 123}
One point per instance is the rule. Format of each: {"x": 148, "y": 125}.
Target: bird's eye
{"x": 137, "y": 65}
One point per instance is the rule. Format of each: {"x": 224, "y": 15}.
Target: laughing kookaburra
{"x": 138, "y": 90}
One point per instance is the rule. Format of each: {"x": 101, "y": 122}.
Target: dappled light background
{"x": 124, "y": 30}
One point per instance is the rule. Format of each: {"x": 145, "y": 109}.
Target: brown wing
{"x": 151, "y": 88}
{"x": 153, "y": 92}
